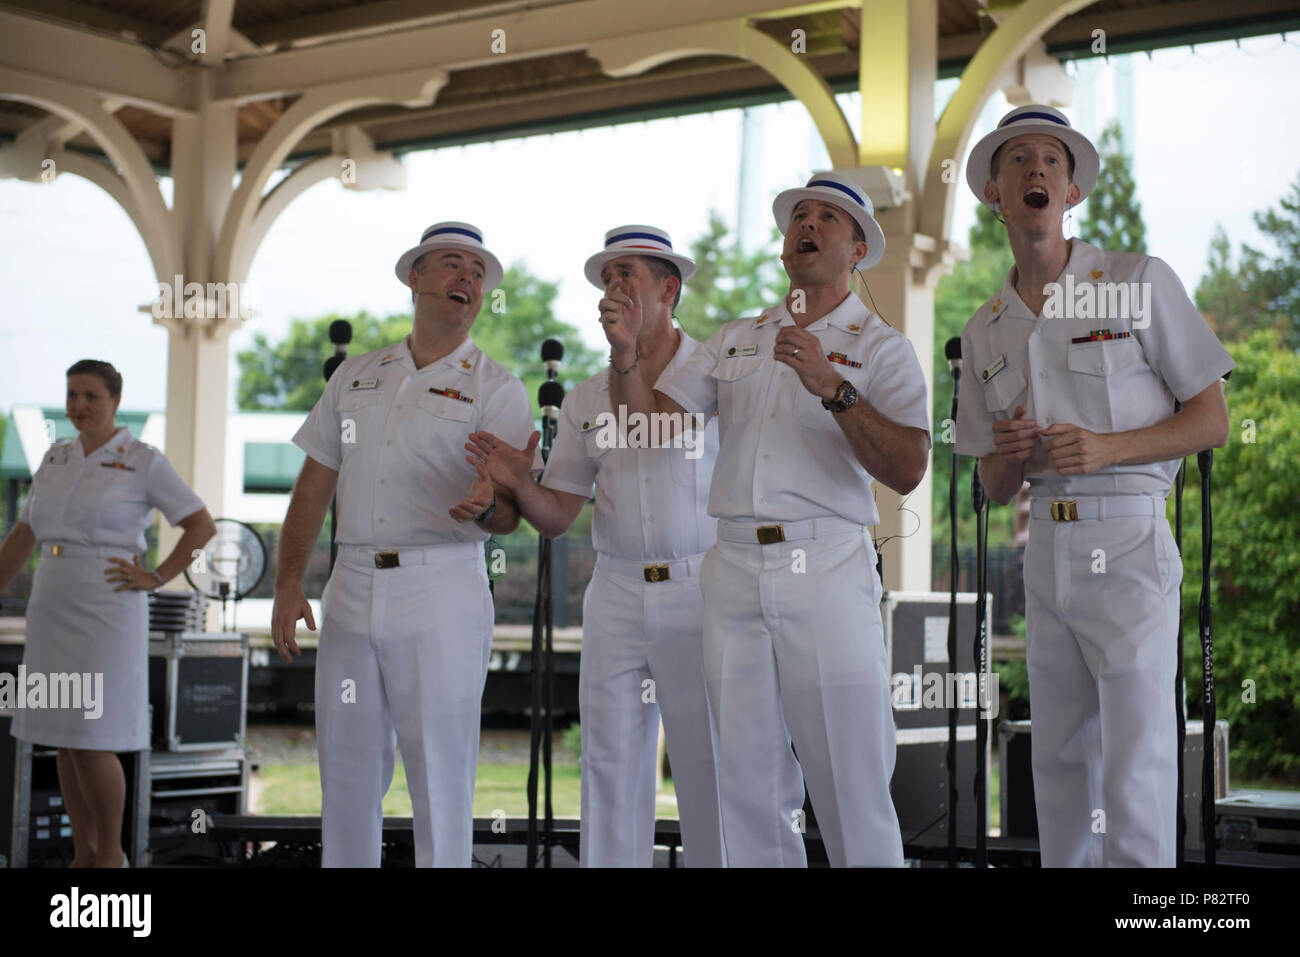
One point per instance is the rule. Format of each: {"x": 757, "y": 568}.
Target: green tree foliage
{"x": 1255, "y": 588}
{"x": 1114, "y": 219}
{"x": 286, "y": 376}
{"x": 956, "y": 299}
{"x": 728, "y": 282}
{"x": 1257, "y": 292}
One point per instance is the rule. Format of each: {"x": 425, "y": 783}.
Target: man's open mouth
{"x": 1036, "y": 197}
{"x": 805, "y": 246}
{"x": 458, "y": 296}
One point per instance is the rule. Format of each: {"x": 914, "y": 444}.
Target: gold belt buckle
{"x": 56, "y": 550}
{"x": 656, "y": 573}
{"x": 770, "y": 534}
{"x": 386, "y": 560}
{"x": 1065, "y": 511}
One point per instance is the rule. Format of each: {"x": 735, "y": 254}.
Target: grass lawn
{"x": 294, "y": 789}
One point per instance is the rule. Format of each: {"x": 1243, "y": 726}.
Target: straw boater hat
{"x": 637, "y": 241}
{"x": 838, "y": 190}
{"x": 452, "y": 235}
{"x": 1026, "y": 120}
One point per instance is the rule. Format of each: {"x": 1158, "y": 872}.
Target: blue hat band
{"x": 1034, "y": 116}
{"x": 842, "y": 188}
{"x": 622, "y": 237}
{"x": 452, "y": 229}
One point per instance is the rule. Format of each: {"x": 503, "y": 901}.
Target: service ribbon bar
{"x": 1100, "y": 335}
{"x": 844, "y": 360}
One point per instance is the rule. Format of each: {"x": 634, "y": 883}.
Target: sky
{"x": 1208, "y": 131}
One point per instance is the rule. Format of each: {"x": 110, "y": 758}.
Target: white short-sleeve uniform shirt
{"x": 782, "y": 455}
{"x": 1127, "y": 343}
{"x": 396, "y": 435}
{"x": 106, "y": 498}
{"x": 651, "y": 503}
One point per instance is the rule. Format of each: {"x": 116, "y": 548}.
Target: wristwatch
{"x": 489, "y": 511}
{"x": 844, "y": 399}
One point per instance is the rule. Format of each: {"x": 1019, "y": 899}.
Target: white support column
{"x": 203, "y": 166}
{"x": 896, "y": 76}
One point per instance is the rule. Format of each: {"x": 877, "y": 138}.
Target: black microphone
{"x": 552, "y": 353}
{"x": 952, "y": 352}
{"x": 550, "y": 394}
{"x": 340, "y": 335}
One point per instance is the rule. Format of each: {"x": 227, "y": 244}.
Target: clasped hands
{"x": 1066, "y": 449}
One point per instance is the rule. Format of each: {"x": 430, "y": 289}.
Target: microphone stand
{"x": 981, "y": 663}
{"x": 550, "y": 395}
{"x": 953, "y": 571}
{"x": 1180, "y": 693}
{"x": 1204, "y": 462}
{"x": 340, "y": 334}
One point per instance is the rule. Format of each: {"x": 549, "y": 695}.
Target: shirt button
{"x": 764, "y": 455}
{"x": 389, "y": 442}
{"x": 1102, "y": 367}
{"x": 382, "y": 481}
{"x": 1042, "y": 375}
{"x": 381, "y": 521}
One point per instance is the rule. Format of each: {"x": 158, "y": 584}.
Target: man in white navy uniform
{"x": 642, "y": 628}
{"x": 406, "y": 616}
{"x": 1078, "y": 360}
{"x": 815, "y": 398}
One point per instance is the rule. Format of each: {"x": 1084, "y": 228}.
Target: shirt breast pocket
{"x": 1005, "y": 390}
{"x": 357, "y": 414}
{"x": 598, "y": 445}
{"x": 1100, "y": 371}
{"x": 110, "y": 487}
{"x": 442, "y": 412}
{"x": 739, "y": 388}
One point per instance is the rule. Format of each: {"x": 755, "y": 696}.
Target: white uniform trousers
{"x": 794, "y": 651}
{"x": 1101, "y": 613}
{"x": 642, "y": 657}
{"x": 402, "y": 649}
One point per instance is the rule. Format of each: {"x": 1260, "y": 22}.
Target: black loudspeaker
{"x": 34, "y": 826}
{"x": 921, "y": 682}
{"x": 1015, "y": 762}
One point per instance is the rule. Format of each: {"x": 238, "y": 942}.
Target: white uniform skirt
{"x": 77, "y": 625}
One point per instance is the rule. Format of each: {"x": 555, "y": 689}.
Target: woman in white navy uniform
{"x": 91, "y": 500}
